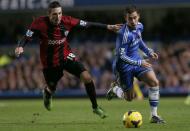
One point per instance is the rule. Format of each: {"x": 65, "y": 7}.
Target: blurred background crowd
{"x": 166, "y": 30}
{"x": 24, "y": 73}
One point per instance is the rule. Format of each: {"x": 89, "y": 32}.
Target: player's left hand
{"x": 154, "y": 55}
{"x": 114, "y": 28}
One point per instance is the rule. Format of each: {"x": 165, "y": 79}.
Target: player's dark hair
{"x": 131, "y": 9}
{"x": 54, "y": 4}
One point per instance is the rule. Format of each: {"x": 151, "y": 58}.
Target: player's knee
{"x": 86, "y": 77}
{"x": 154, "y": 83}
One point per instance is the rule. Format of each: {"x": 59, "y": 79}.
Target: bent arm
{"x": 85, "y": 24}
{"x": 25, "y": 39}
{"x": 145, "y": 49}
{"x": 22, "y": 42}
{"x": 127, "y": 59}
{"x": 32, "y": 32}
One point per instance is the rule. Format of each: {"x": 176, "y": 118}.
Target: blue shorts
{"x": 127, "y": 73}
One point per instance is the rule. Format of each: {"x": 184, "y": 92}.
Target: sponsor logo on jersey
{"x": 134, "y": 42}
{"x": 56, "y": 42}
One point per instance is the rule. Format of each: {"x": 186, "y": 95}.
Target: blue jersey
{"x": 128, "y": 60}
{"x": 127, "y": 44}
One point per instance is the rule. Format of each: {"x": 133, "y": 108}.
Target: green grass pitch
{"x": 76, "y": 115}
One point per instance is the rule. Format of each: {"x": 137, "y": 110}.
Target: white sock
{"x": 153, "y": 100}
{"x": 154, "y": 111}
{"x": 118, "y": 91}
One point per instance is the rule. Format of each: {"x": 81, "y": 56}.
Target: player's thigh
{"x": 52, "y": 76}
{"x": 126, "y": 80}
{"x": 75, "y": 67}
{"x": 149, "y": 78}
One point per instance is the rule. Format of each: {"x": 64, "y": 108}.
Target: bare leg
{"x": 150, "y": 79}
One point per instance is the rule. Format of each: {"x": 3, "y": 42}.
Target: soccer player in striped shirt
{"x": 129, "y": 63}
{"x": 56, "y": 54}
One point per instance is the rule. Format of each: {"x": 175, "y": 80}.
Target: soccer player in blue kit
{"x": 128, "y": 63}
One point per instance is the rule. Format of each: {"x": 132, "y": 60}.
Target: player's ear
{"x": 139, "y": 15}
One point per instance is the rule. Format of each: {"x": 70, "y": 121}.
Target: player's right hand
{"x": 114, "y": 28}
{"x": 18, "y": 51}
{"x": 145, "y": 63}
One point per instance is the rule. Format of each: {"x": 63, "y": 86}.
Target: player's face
{"x": 55, "y": 15}
{"x": 132, "y": 19}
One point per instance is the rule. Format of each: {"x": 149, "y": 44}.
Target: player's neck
{"x": 130, "y": 27}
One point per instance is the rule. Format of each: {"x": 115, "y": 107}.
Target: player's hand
{"x": 18, "y": 51}
{"x": 114, "y": 28}
{"x": 154, "y": 55}
{"x": 145, "y": 63}
{"x": 129, "y": 95}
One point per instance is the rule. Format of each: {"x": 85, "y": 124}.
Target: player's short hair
{"x": 54, "y": 4}
{"x": 130, "y": 9}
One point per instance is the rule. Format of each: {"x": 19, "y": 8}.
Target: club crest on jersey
{"x": 66, "y": 33}
{"x": 29, "y": 33}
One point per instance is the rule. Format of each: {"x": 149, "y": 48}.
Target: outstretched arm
{"x": 24, "y": 40}
{"x": 86, "y": 24}
{"x": 33, "y": 31}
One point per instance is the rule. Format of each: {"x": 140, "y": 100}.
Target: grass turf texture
{"x": 76, "y": 115}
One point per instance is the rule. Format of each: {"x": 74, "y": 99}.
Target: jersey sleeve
{"x": 81, "y": 23}
{"x": 70, "y": 21}
{"x": 86, "y": 24}
{"x": 122, "y": 47}
{"x": 74, "y": 21}
{"x": 142, "y": 44}
{"x": 32, "y": 31}
{"x": 122, "y": 54}
{"x": 144, "y": 48}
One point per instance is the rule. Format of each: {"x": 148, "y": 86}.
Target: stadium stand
{"x": 166, "y": 31}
